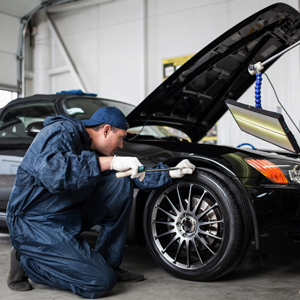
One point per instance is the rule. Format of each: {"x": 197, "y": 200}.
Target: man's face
{"x": 106, "y": 141}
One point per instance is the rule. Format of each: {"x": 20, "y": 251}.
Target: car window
{"x": 14, "y": 120}
{"x": 159, "y": 132}
{"x": 82, "y": 109}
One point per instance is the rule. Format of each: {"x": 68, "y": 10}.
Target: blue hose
{"x": 246, "y": 144}
{"x": 257, "y": 90}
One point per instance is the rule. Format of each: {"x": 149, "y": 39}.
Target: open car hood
{"x": 193, "y": 98}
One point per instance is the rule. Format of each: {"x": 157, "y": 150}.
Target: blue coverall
{"x": 60, "y": 192}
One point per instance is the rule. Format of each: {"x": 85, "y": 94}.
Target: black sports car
{"x": 201, "y": 226}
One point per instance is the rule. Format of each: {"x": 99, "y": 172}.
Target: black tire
{"x": 197, "y": 229}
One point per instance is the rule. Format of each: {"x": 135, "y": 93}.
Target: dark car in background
{"x": 201, "y": 226}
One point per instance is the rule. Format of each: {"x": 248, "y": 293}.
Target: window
{"x": 83, "y": 109}
{"x": 14, "y": 120}
{"x": 7, "y": 96}
{"x": 211, "y": 136}
{"x": 279, "y": 109}
{"x": 159, "y": 132}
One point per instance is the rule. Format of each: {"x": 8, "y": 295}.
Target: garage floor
{"x": 280, "y": 279}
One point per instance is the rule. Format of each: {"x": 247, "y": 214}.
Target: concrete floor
{"x": 279, "y": 279}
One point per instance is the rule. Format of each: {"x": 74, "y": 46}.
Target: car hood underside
{"x": 192, "y": 99}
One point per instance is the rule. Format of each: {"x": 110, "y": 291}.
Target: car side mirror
{"x": 34, "y": 128}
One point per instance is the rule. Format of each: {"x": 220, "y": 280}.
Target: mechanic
{"x": 66, "y": 184}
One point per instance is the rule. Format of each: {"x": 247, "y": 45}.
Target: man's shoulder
{"x": 64, "y": 125}
{"x": 62, "y": 119}
{"x": 66, "y": 122}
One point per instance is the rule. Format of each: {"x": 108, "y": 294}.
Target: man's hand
{"x": 185, "y": 168}
{"x": 125, "y": 163}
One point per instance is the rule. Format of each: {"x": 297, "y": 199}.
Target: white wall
{"x": 9, "y": 32}
{"x": 11, "y": 12}
{"x": 105, "y": 42}
{"x": 118, "y": 48}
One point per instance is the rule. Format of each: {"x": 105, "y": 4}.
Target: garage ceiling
{"x": 17, "y": 8}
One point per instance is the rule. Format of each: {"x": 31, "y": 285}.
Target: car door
{"x": 14, "y": 143}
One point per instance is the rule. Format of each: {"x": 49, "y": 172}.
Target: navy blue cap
{"x": 107, "y": 115}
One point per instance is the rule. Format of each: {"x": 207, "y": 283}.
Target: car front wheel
{"x": 195, "y": 228}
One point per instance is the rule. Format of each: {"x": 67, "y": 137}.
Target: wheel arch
{"x": 238, "y": 187}
{"x": 214, "y": 167}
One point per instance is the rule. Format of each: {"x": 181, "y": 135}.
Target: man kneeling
{"x": 66, "y": 184}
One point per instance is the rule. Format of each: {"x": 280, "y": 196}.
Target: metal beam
{"x": 58, "y": 70}
{"x": 77, "y": 5}
{"x": 21, "y": 48}
{"x": 145, "y": 46}
{"x": 65, "y": 55}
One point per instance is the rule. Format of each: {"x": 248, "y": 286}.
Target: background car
{"x": 199, "y": 227}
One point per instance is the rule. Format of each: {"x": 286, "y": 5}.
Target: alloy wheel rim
{"x": 187, "y": 226}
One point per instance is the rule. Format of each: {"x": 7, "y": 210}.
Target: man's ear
{"x": 106, "y": 130}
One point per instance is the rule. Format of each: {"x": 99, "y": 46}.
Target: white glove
{"x": 185, "y": 168}
{"x": 125, "y": 163}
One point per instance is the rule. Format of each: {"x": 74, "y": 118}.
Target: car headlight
{"x": 295, "y": 174}
{"x": 277, "y": 170}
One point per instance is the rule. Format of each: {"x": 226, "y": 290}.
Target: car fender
{"x": 214, "y": 167}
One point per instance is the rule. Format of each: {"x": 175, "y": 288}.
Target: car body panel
{"x": 227, "y": 160}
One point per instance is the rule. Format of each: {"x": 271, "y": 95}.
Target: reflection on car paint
{"x": 9, "y": 164}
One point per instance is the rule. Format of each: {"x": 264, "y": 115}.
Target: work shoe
{"x": 17, "y": 280}
{"x": 123, "y": 275}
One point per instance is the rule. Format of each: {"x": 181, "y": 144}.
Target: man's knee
{"x": 108, "y": 281}
{"x": 124, "y": 189}
{"x": 126, "y": 182}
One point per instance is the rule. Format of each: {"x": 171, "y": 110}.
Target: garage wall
{"x": 118, "y": 48}
{"x": 11, "y": 13}
{"x": 9, "y": 33}
{"x": 105, "y": 42}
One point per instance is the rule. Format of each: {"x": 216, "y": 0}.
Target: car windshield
{"x": 84, "y": 108}
{"x": 159, "y": 132}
